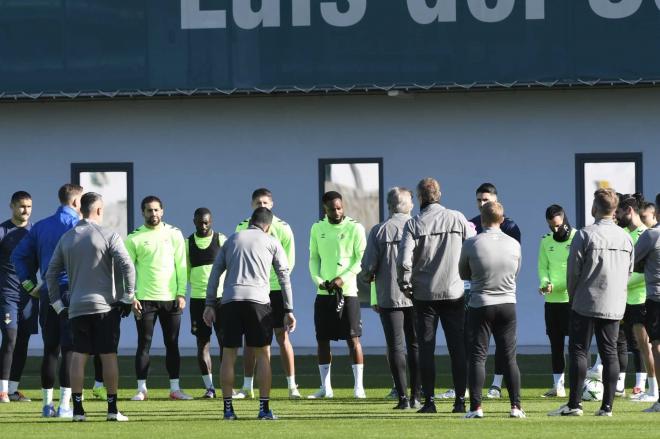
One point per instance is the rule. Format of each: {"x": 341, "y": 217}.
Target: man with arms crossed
{"x": 88, "y": 253}
{"x": 19, "y": 311}
{"x": 336, "y": 247}
{"x": 599, "y": 264}
{"x": 395, "y": 310}
{"x": 427, "y": 271}
{"x": 552, "y": 261}
{"x": 247, "y": 258}
{"x": 491, "y": 262}
{"x": 158, "y": 252}
{"x": 282, "y": 232}
{"x": 202, "y": 247}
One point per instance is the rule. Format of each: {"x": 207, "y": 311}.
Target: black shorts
{"x": 170, "y": 307}
{"x": 249, "y": 319}
{"x": 277, "y": 306}
{"x": 557, "y": 316}
{"x": 197, "y": 326}
{"x": 96, "y": 333}
{"x": 652, "y": 321}
{"x": 635, "y": 314}
{"x": 328, "y": 324}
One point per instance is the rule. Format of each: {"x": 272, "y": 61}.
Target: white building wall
{"x": 214, "y": 152}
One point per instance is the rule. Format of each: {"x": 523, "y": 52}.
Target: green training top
{"x": 335, "y": 250}
{"x": 282, "y": 231}
{"x": 159, "y": 256}
{"x": 553, "y": 257}
{"x": 636, "y": 283}
{"x": 198, "y": 277}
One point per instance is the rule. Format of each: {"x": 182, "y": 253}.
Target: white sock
{"x": 621, "y": 382}
{"x": 358, "y": 372}
{"x": 98, "y": 384}
{"x": 653, "y": 386}
{"x": 142, "y": 386}
{"x": 247, "y": 383}
{"x": 47, "y": 396}
{"x": 291, "y": 382}
{"x": 174, "y": 385}
{"x": 208, "y": 381}
{"x": 640, "y": 380}
{"x": 559, "y": 379}
{"x": 13, "y": 387}
{"x": 497, "y": 380}
{"x": 597, "y": 363}
{"x": 65, "y": 397}
{"x": 4, "y": 386}
{"x": 324, "y": 370}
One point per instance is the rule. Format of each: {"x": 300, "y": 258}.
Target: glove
{"x": 124, "y": 308}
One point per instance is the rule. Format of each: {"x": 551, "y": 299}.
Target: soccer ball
{"x": 592, "y": 390}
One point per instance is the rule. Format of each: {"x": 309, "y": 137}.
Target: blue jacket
{"x": 36, "y": 249}
{"x": 508, "y": 227}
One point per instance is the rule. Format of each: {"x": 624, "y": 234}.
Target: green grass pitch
{"x": 341, "y": 417}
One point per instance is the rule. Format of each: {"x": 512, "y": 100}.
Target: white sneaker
{"x": 620, "y": 392}
{"x": 644, "y": 397}
{"x": 359, "y": 394}
{"x": 65, "y": 413}
{"x": 477, "y": 414}
{"x": 566, "y": 411}
{"x": 555, "y": 392}
{"x": 139, "y": 396}
{"x": 294, "y": 393}
{"x": 180, "y": 395}
{"x": 244, "y": 394}
{"x": 655, "y": 408}
{"x": 494, "y": 393}
{"x": 116, "y": 417}
{"x": 595, "y": 373}
{"x": 79, "y": 418}
{"x": 322, "y": 393}
{"x": 517, "y": 413}
{"x": 449, "y": 394}
{"x": 602, "y": 412}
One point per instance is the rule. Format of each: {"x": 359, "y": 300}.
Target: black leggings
{"x": 13, "y": 353}
{"x": 582, "y": 330}
{"x": 627, "y": 343}
{"x": 451, "y": 314}
{"x": 399, "y": 326}
{"x": 170, "y": 322}
{"x": 500, "y": 321}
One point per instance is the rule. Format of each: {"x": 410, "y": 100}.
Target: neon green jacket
{"x": 553, "y": 258}
{"x": 335, "y": 250}
{"x": 159, "y": 257}
{"x": 282, "y": 231}
{"x": 636, "y": 283}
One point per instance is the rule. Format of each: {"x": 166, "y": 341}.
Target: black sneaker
{"x": 403, "y": 404}
{"x": 459, "y": 408}
{"x": 428, "y": 407}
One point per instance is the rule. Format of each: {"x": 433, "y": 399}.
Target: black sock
{"x": 77, "y": 404}
{"x": 430, "y": 400}
{"x": 112, "y": 403}
{"x": 263, "y": 404}
{"x": 228, "y": 405}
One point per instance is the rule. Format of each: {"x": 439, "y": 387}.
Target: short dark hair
{"x": 261, "y": 216}
{"x": 648, "y": 205}
{"x": 330, "y": 196}
{"x": 262, "y": 192}
{"x": 20, "y": 195}
{"x": 636, "y": 201}
{"x": 87, "y": 202}
{"x": 150, "y": 199}
{"x": 657, "y": 200}
{"x": 201, "y": 211}
{"x": 68, "y": 192}
{"x": 487, "y": 188}
{"x": 554, "y": 210}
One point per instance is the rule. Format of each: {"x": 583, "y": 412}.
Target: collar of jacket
{"x": 425, "y": 205}
{"x": 69, "y": 211}
{"x": 604, "y": 221}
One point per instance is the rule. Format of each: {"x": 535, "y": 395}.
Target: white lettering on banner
{"x": 355, "y": 13}
{"x": 301, "y": 13}
{"x": 193, "y": 18}
{"x": 482, "y": 12}
{"x": 443, "y": 11}
{"x": 246, "y": 18}
{"x": 615, "y": 9}
{"x": 536, "y": 10}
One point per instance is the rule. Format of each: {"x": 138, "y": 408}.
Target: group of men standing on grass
{"x": 417, "y": 269}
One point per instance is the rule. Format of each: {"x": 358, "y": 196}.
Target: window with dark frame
{"x": 619, "y": 171}
{"x": 114, "y": 181}
{"x": 360, "y": 182}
